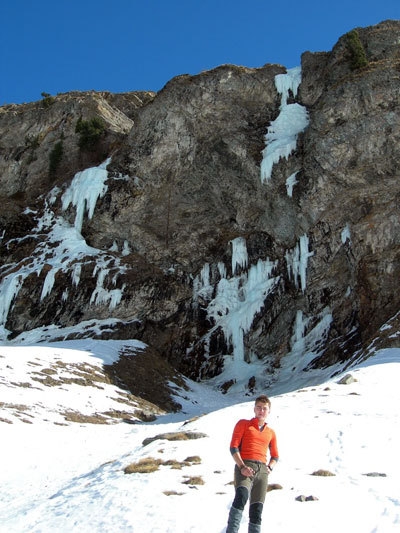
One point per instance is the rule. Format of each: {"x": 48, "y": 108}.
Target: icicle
{"x": 221, "y": 269}
{"x": 298, "y": 340}
{"x": 345, "y": 235}
{"x": 304, "y": 255}
{"x": 297, "y": 261}
{"x": 48, "y": 283}
{"x": 288, "y": 82}
{"x": 239, "y": 254}
{"x": 84, "y": 191}
{"x": 126, "y": 250}
{"x": 101, "y": 295}
{"x": 238, "y": 300}
{"x": 290, "y": 183}
{"x": 201, "y": 285}
{"x": 9, "y": 288}
{"x": 76, "y": 274}
{"x": 281, "y": 137}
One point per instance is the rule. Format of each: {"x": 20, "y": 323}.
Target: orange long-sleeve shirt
{"x": 252, "y": 443}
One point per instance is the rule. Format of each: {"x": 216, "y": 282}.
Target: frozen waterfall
{"x": 281, "y": 136}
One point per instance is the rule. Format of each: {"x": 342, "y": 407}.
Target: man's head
{"x": 262, "y": 407}
{"x": 263, "y": 399}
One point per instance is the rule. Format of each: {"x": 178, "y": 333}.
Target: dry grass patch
{"x": 193, "y": 459}
{"x": 175, "y": 465}
{"x": 23, "y": 385}
{"x": 81, "y": 374}
{"x": 144, "y": 466}
{"x": 15, "y": 406}
{"x": 149, "y": 464}
{"x": 189, "y": 461}
{"x": 194, "y": 480}
{"x": 75, "y": 416}
{"x": 18, "y": 410}
{"x": 323, "y": 473}
{"x": 274, "y": 486}
{"x": 180, "y": 435}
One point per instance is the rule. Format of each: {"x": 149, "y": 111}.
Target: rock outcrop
{"x": 192, "y": 245}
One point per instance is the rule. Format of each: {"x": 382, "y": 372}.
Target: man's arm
{"x": 273, "y": 450}
{"x": 235, "y": 450}
{"x": 244, "y": 469}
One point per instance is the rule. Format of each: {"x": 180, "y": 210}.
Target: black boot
{"x": 235, "y": 516}
{"x": 254, "y": 528}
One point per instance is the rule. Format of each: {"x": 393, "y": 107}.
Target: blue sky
{"x": 126, "y": 45}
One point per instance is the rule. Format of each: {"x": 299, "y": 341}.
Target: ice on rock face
{"x": 281, "y": 136}
{"x": 85, "y": 189}
{"x": 62, "y": 248}
{"x": 297, "y": 261}
{"x": 237, "y": 299}
{"x": 289, "y": 82}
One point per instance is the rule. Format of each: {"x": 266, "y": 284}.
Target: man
{"x": 250, "y": 444}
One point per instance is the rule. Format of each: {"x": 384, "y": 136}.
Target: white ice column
{"x": 239, "y": 254}
{"x": 281, "y": 136}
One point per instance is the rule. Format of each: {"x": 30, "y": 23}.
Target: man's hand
{"x": 247, "y": 471}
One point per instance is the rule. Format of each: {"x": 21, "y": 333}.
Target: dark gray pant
{"x": 254, "y": 487}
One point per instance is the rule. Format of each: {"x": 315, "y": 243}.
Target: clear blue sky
{"x": 126, "y": 45}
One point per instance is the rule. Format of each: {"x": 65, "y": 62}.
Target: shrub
{"x": 90, "y": 132}
{"x": 48, "y": 100}
{"x": 358, "y": 57}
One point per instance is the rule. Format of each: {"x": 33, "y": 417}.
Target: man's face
{"x": 261, "y": 411}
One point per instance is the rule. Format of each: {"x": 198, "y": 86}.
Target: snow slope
{"x": 60, "y": 476}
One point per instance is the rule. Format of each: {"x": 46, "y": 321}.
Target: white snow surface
{"x": 70, "y": 477}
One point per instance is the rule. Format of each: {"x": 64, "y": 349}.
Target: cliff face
{"x": 197, "y": 237}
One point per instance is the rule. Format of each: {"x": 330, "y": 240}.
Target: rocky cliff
{"x": 238, "y": 222}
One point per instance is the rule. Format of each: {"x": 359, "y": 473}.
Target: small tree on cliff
{"x": 90, "y": 132}
{"x": 358, "y": 57}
